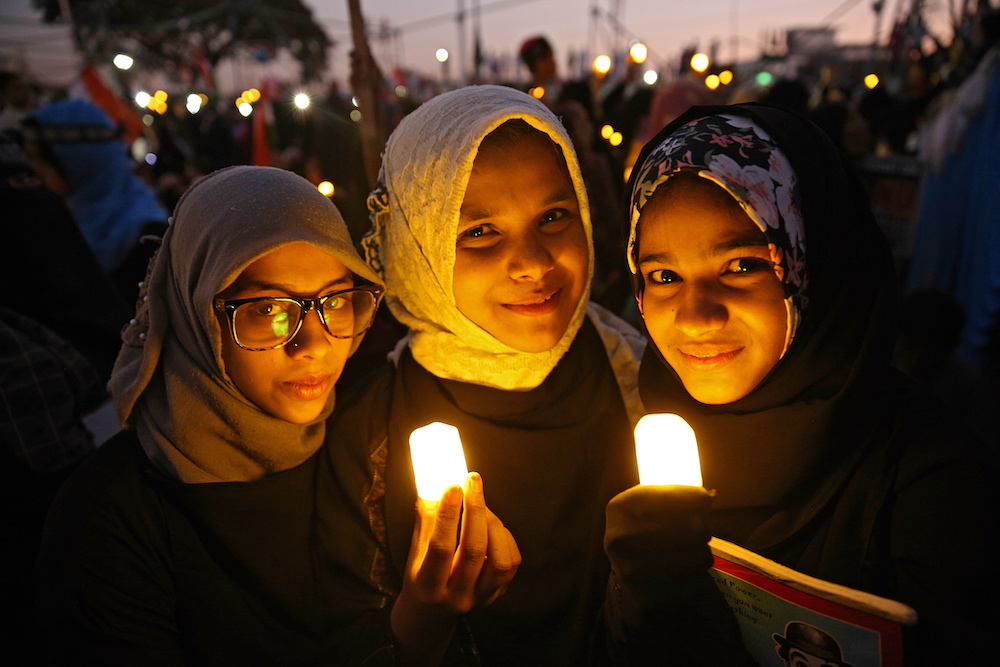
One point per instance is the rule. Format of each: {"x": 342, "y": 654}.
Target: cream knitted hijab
{"x": 169, "y": 382}
{"x": 415, "y": 213}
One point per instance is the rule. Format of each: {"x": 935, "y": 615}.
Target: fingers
{"x": 502, "y": 560}
{"x": 438, "y": 530}
{"x": 472, "y": 548}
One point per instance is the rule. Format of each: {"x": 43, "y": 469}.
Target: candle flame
{"x": 666, "y": 451}
{"x": 438, "y": 459}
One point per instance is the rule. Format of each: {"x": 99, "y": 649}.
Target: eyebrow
{"x": 753, "y": 239}
{"x": 485, "y": 212}
{"x": 268, "y": 286}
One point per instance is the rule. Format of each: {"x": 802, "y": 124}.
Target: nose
{"x": 700, "y": 309}
{"x": 312, "y": 340}
{"x": 530, "y": 258}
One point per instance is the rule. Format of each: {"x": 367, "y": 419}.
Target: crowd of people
{"x": 202, "y": 471}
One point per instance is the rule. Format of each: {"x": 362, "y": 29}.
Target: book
{"x": 783, "y": 612}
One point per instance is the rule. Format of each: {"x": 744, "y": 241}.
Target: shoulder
{"x": 624, "y": 345}
{"x": 109, "y": 497}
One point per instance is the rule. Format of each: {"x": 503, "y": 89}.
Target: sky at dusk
{"x": 420, "y": 27}
{"x": 666, "y": 26}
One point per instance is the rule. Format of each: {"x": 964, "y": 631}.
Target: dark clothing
{"x": 550, "y": 459}
{"x": 137, "y": 568}
{"x": 50, "y": 274}
{"x": 835, "y": 464}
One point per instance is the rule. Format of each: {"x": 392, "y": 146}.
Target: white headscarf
{"x": 415, "y": 213}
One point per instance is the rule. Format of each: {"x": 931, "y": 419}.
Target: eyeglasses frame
{"x": 229, "y": 308}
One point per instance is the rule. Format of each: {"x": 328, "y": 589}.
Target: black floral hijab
{"x": 777, "y": 456}
{"x": 739, "y": 156}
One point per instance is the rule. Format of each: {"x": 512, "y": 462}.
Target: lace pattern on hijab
{"x": 415, "y": 211}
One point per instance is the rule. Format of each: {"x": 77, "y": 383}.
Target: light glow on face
{"x": 666, "y": 451}
{"x": 438, "y": 459}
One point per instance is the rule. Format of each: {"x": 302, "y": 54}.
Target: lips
{"x": 708, "y": 357}
{"x": 536, "y": 304}
{"x": 309, "y": 387}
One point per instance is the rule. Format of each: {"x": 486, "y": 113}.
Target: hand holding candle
{"x": 461, "y": 555}
{"x": 657, "y": 530}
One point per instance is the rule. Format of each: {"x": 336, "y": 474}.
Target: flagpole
{"x": 366, "y": 80}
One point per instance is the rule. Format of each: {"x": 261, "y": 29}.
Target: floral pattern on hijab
{"x": 739, "y": 156}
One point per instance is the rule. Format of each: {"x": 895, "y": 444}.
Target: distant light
{"x": 602, "y": 64}
{"x": 150, "y": 159}
{"x": 123, "y": 61}
{"x": 607, "y": 131}
{"x": 402, "y": 91}
{"x": 160, "y": 96}
{"x": 326, "y": 188}
{"x": 441, "y": 55}
{"x": 193, "y": 103}
{"x": 147, "y": 119}
{"x": 142, "y": 99}
{"x": 160, "y": 107}
{"x": 638, "y": 53}
{"x": 615, "y": 139}
{"x": 139, "y": 148}
{"x": 712, "y": 81}
{"x": 871, "y": 81}
{"x": 650, "y": 77}
{"x": 763, "y": 78}
{"x": 354, "y": 101}
{"x": 204, "y": 98}
{"x": 725, "y": 77}
{"x": 251, "y": 95}
{"x": 301, "y": 101}
{"x": 245, "y": 109}
{"x": 699, "y": 62}
{"x": 356, "y": 116}
{"x": 538, "y": 92}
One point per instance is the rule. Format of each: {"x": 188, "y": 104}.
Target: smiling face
{"x": 711, "y": 299}
{"x": 521, "y": 256}
{"x": 292, "y": 382}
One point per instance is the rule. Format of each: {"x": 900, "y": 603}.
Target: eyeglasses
{"x": 270, "y": 322}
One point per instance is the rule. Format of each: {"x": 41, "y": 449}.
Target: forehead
{"x": 510, "y": 171}
{"x": 293, "y": 267}
{"x": 693, "y": 216}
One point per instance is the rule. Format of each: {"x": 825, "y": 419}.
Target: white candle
{"x": 438, "y": 459}
{"x": 666, "y": 451}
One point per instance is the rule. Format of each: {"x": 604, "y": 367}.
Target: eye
{"x": 477, "y": 236}
{"x": 749, "y": 265}
{"x": 555, "y": 215}
{"x": 267, "y": 308}
{"x": 662, "y": 277}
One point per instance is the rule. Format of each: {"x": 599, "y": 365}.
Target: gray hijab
{"x": 169, "y": 382}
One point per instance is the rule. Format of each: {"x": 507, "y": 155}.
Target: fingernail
{"x": 453, "y": 495}
{"x": 477, "y": 481}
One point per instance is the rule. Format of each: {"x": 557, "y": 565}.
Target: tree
{"x": 174, "y": 34}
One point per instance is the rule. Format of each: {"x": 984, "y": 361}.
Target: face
{"x": 292, "y": 382}
{"x": 711, "y": 299}
{"x": 521, "y": 257}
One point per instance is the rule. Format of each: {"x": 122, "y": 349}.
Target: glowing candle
{"x": 667, "y": 451}
{"x": 438, "y": 459}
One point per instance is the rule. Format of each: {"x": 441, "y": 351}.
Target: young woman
{"x": 191, "y": 538}
{"x": 768, "y": 293}
{"x": 483, "y": 236}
